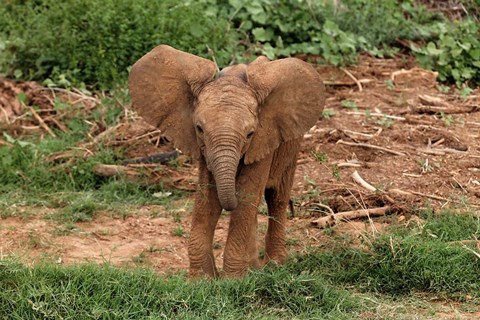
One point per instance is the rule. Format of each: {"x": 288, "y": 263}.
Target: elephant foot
{"x": 199, "y": 273}
{"x": 278, "y": 256}
{"x": 238, "y": 269}
{"x": 203, "y": 269}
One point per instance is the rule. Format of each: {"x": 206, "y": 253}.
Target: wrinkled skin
{"x": 244, "y": 126}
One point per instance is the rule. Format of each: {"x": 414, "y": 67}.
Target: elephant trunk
{"x": 224, "y": 162}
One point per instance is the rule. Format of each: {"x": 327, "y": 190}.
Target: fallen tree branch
{"x": 464, "y": 242}
{"x": 443, "y": 109}
{"x": 376, "y": 114}
{"x": 333, "y": 219}
{"x": 410, "y": 193}
{"x": 345, "y": 83}
{"x": 324, "y": 206}
{"x": 366, "y": 145}
{"x": 162, "y": 158}
{"x": 351, "y": 76}
{"x": 110, "y": 170}
{"x": 41, "y": 122}
{"x": 356, "y": 177}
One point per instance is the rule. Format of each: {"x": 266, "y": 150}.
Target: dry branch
{"x": 349, "y": 164}
{"x": 410, "y": 193}
{"x": 41, "y": 122}
{"x": 347, "y": 84}
{"x": 443, "y": 109}
{"x": 377, "y": 114}
{"x": 162, "y": 158}
{"x": 110, "y": 170}
{"x": 333, "y": 219}
{"x": 366, "y": 145}
{"x": 356, "y": 177}
{"x": 351, "y": 76}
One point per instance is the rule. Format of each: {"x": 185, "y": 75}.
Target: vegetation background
{"x": 91, "y": 44}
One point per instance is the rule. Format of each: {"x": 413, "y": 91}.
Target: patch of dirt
{"x": 388, "y": 120}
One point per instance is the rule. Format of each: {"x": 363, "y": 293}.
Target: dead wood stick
{"x": 345, "y": 83}
{"x": 351, "y": 76}
{"x": 377, "y": 114}
{"x": 324, "y": 206}
{"x": 439, "y": 142}
{"x": 476, "y": 241}
{"x": 440, "y": 151}
{"x": 162, "y": 158}
{"x": 360, "y": 134}
{"x": 5, "y": 115}
{"x": 413, "y": 70}
{"x": 348, "y": 164}
{"x": 5, "y": 143}
{"x": 41, "y": 122}
{"x": 356, "y": 177}
{"x": 366, "y": 145}
{"x": 332, "y": 219}
{"x": 409, "y": 193}
{"x": 433, "y": 101}
{"x": 110, "y": 170}
{"x": 445, "y": 110}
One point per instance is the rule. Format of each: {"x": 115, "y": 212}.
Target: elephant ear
{"x": 291, "y": 97}
{"x": 163, "y": 85}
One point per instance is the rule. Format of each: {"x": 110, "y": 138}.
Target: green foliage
{"x": 336, "y": 31}
{"x": 455, "y": 54}
{"x": 95, "y": 42}
{"x": 26, "y": 178}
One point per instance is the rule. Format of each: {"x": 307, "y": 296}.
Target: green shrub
{"x": 95, "y": 41}
{"x": 336, "y": 32}
{"x": 455, "y": 54}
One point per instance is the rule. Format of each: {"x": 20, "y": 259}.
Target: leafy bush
{"x": 95, "y": 41}
{"x": 336, "y": 32}
{"x": 455, "y": 54}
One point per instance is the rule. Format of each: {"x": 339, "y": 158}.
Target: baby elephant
{"x": 244, "y": 125}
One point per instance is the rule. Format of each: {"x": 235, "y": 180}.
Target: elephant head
{"x": 241, "y": 114}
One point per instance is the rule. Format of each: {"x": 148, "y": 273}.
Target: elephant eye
{"x": 199, "y": 128}
{"x": 250, "y": 135}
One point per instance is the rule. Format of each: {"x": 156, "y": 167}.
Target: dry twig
{"x": 377, "y": 114}
{"x": 41, "y": 122}
{"x": 333, "y": 219}
{"x": 351, "y": 76}
{"x": 358, "y": 179}
{"x": 366, "y": 145}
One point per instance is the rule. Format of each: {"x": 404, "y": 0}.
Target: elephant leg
{"x": 277, "y": 196}
{"x": 206, "y": 212}
{"x": 241, "y": 250}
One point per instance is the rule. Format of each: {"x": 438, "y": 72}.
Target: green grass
{"x": 397, "y": 273}
{"x": 419, "y": 259}
{"x": 87, "y": 291}
{"x": 30, "y": 179}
